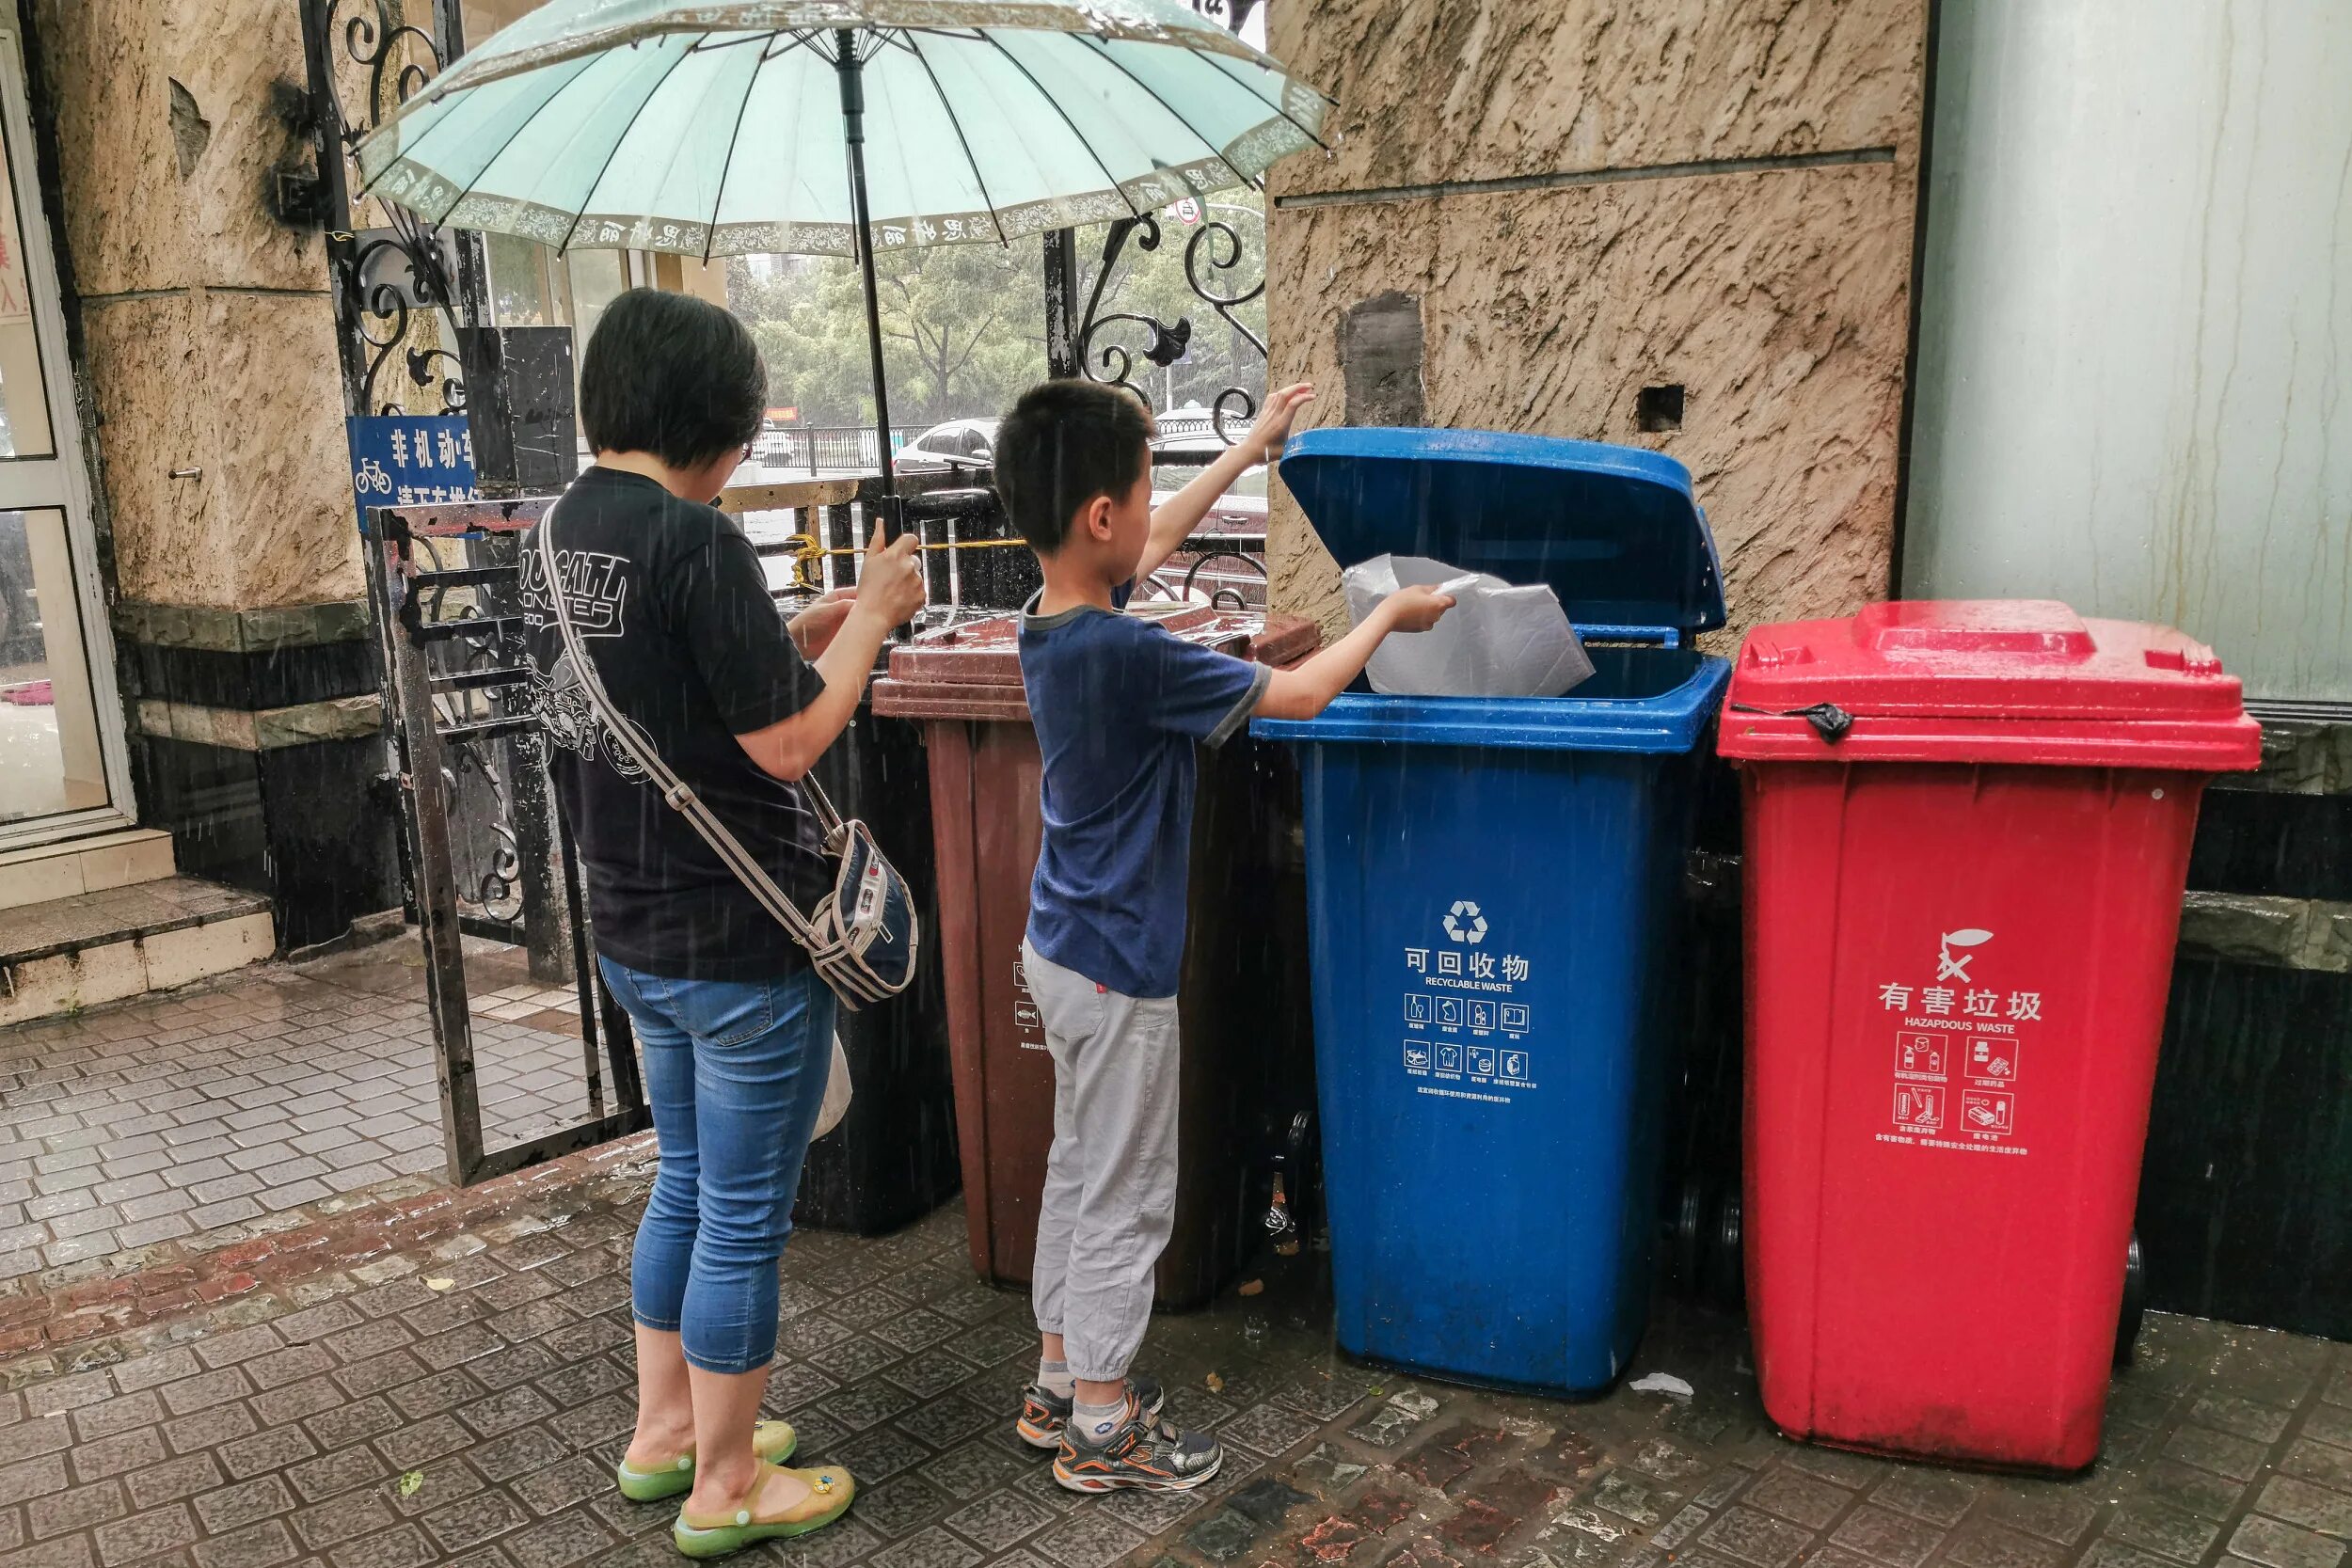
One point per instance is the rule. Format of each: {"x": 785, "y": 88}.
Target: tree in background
{"x": 963, "y": 327}
{"x": 963, "y": 331}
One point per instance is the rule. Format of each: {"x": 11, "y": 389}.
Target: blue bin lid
{"x": 1615, "y": 531}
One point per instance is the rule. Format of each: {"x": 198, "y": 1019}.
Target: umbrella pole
{"x": 851, "y": 72}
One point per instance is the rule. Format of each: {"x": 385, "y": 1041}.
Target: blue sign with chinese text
{"x": 409, "y": 459}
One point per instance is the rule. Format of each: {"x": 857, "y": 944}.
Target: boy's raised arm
{"x": 1307, "y": 689}
{"x": 1174, "y": 519}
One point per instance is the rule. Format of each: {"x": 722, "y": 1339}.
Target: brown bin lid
{"x": 973, "y": 671}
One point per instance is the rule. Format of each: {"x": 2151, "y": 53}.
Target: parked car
{"x": 956, "y": 446}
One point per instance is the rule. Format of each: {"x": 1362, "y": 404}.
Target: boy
{"x": 1118, "y": 705}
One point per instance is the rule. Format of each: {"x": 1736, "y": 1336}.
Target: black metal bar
{"x": 491, "y": 929}
{"x": 587, "y": 993}
{"x": 941, "y": 564}
{"x": 479, "y": 680}
{"x": 421, "y": 782}
{"x": 1061, "y": 302}
{"x": 445, "y": 631}
{"x": 841, "y": 535}
{"x": 554, "y": 1145}
{"x": 480, "y": 730}
{"x": 464, "y": 577}
{"x": 951, "y": 503}
{"x": 596, "y": 1000}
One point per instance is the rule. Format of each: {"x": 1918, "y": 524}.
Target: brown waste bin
{"x": 1248, "y": 1054}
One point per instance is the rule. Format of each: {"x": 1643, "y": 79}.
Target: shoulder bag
{"x": 862, "y": 938}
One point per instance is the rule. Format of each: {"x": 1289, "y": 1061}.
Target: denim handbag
{"x": 862, "y": 938}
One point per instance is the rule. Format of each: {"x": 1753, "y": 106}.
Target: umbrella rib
{"x": 1117, "y": 188}
{"x": 614, "y": 152}
{"x": 962, "y": 140}
{"x": 1214, "y": 152}
{"x": 751, "y": 84}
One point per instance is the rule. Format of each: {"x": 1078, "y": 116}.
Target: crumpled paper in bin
{"x": 1498, "y": 641}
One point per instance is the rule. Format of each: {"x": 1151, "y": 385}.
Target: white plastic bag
{"x": 1498, "y": 641}
{"x": 837, "y": 1092}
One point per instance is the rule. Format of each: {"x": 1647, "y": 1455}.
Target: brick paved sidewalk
{"x": 172, "y": 1126}
{"x": 459, "y": 1403}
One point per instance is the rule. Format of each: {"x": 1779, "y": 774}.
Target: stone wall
{"x": 1581, "y": 200}
{"x": 207, "y": 349}
{"x": 208, "y": 335}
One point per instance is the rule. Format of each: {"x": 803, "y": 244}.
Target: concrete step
{"x": 68, "y": 954}
{"x": 95, "y": 864}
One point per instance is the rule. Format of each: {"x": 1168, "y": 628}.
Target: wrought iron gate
{"x": 456, "y": 689}
{"x": 483, "y": 856}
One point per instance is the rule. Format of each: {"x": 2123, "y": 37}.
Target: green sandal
{"x": 831, "y": 1491}
{"x": 773, "y": 1441}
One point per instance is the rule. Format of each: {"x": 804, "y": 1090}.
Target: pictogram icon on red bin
{"x": 1988, "y": 1111}
{"x": 1918, "y": 1107}
{"x": 1919, "y": 1055}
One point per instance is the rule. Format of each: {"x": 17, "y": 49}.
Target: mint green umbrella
{"x": 724, "y": 127}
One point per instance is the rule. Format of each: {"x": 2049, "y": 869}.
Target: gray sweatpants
{"x": 1110, "y": 1183}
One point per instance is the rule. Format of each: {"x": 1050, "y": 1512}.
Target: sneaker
{"x": 1044, "y": 1415}
{"x": 1144, "y": 1454}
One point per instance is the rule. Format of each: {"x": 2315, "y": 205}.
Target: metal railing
{"x": 823, "y": 449}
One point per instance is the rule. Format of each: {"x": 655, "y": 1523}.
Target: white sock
{"x": 1054, "y": 1377}
{"x": 1096, "y": 1422}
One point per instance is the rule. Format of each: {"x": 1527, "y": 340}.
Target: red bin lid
{"x": 1986, "y": 680}
{"x": 973, "y": 670}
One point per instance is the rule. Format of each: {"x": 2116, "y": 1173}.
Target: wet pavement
{"x": 275, "y": 1096}
{"x": 460, "y": 1404}
{"x": 436, "y": 1378}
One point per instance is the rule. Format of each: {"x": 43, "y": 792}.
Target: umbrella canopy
{"x": 717, "y": 127}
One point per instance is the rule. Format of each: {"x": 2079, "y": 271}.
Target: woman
{"x": 672, "y": 605}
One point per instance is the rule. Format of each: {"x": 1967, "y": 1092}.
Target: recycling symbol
{"x": 1463, "y": 922}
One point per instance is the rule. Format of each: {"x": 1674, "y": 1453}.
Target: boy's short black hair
{"x": 1065, "y": 442}
{"x": 673, "y": 375}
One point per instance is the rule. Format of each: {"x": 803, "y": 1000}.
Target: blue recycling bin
{"x": 1494, "y": 903}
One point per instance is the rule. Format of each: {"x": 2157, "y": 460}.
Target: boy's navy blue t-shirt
{"x": 1118, "y": 704}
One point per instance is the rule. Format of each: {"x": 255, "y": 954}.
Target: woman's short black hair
{"x": 1065, "y": 442}
{"x": 673, "y": 375}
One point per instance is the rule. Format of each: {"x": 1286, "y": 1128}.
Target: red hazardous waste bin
{"x": 1249, "y": 1064}
{"x": 1967, "y": 836}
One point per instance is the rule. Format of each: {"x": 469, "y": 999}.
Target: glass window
{"x": 23, "y": 402}
{"x": 2129, "y": 392}
{"x": 49, "y": 753}
{"x": 528, "y": 286}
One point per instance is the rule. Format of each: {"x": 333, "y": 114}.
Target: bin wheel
{"x": 2135, "y": 1302}
{"x": 1689, "y": 1240}
{"x": 1727, "y": 1273}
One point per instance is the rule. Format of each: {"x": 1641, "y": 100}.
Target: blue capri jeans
{"x": 736, "y": 1074}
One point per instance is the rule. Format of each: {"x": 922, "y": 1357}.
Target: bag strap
{"x": 675, "y": 793}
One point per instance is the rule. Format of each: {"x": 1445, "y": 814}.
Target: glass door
{"x": 61, "y": 741}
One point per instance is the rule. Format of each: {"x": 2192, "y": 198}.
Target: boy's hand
{"x": 1416, "y": 609}
{"x": 890, "y": 578}
{"x": 1274, "y": 422}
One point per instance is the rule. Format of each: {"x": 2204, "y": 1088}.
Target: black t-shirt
{"x": 671, "y": 603}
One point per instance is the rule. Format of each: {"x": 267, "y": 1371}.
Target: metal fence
{"x": 827, "y": 448}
